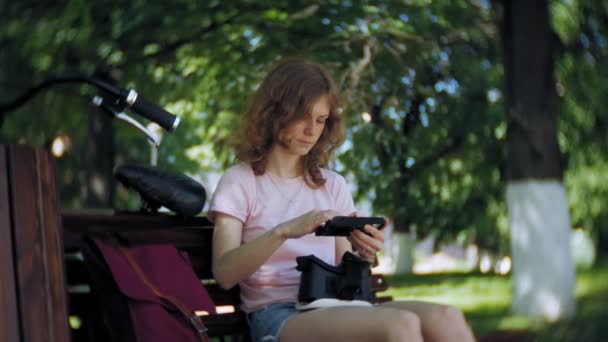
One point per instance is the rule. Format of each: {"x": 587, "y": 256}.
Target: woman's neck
{"x": 284, "y": 164}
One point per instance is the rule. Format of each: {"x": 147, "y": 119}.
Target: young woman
{"x": 266, "y": 208}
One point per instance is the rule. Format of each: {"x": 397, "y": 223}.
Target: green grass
{"x": 486, "y": 299}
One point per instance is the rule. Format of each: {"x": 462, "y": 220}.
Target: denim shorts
{"x": 266, "y": 323}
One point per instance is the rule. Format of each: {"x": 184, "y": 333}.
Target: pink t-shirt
{"x": 263, "y": 202}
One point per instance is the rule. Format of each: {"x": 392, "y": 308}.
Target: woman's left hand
{"x": 367, "y": 245}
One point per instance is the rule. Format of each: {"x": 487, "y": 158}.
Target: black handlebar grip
{"x": 154, "y": 113}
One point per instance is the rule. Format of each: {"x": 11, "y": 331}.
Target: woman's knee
{"x": 450, "y": 314}
{"x": 403, "y": 326}
{"x": 449, "y": 321}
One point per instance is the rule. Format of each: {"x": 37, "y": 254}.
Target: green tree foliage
{"x": 582, "y": 29}
{"x": 427, "y": 74}
{"x": 434, "y": 150}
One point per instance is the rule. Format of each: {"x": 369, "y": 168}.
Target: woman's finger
{"x": 367, "y": 254}
{"x": 370, "y": 242}
{"x": 362, "y": 242}
{"x": 358, "y": 245}
{"x": 374, "y": 232}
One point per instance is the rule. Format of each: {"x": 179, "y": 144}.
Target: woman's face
{"x": 300, "y": 136}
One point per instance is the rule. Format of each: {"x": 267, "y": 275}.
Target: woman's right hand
{"x": 305, "y": 224}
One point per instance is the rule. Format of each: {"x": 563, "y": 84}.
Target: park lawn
{"x": 485, "y": 300}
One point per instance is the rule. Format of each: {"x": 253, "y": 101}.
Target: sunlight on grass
{"x": 486, "y": 300}
{"x": 591, "y": 281}
{"x": 468, "y": 292}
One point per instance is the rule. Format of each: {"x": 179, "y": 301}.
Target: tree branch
{"x": 442, "y": 153}
{"x": 173, "y": 46}
{"x": 305, "y": 13}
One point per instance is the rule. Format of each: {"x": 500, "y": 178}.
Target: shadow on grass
{"x": 589, "y": 324}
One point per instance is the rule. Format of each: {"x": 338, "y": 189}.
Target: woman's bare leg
{"x": 353, "y": 324}
{"x": 439, "y": 322}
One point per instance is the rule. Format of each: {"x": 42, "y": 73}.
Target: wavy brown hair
{"x": 287, "y": 94}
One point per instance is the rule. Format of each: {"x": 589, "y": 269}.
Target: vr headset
{"x": 350, "y": 280}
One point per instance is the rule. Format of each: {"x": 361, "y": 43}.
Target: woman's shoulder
{"x": 239, "y": 177}
{"x": 240, "y": 174}
{"x": 333, "y": 178}
{"x": 329, "y": 173}
{"x": 340, "y": 191}
{"x": 241, "y": 170}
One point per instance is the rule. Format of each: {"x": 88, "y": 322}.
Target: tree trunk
{"x": 404, "y": 252}
{"x": 99, "y": 162}
{"x": 404, "y": 244}
{"x": 543, "y": 271}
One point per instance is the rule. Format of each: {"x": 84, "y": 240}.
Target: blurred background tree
{"x": 422, "y": 82}
{"x": 539, "y": 220}
{"x": 421, "y": 86}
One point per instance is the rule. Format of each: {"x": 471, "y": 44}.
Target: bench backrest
{"x": 192, "y": 235}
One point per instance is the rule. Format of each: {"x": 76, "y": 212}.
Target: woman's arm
{"x": 233, "y": 262}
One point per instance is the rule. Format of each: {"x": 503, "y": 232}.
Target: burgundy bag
{"x": 161, "y": 290}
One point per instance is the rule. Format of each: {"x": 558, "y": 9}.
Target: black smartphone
{"x": 343, "y": 225}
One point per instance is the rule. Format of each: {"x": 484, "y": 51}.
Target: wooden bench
{"x": 192, "y": 235}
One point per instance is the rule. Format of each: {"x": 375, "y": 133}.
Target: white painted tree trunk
{"x": 403, "y": 252}
{"x": 543, "y": 270}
